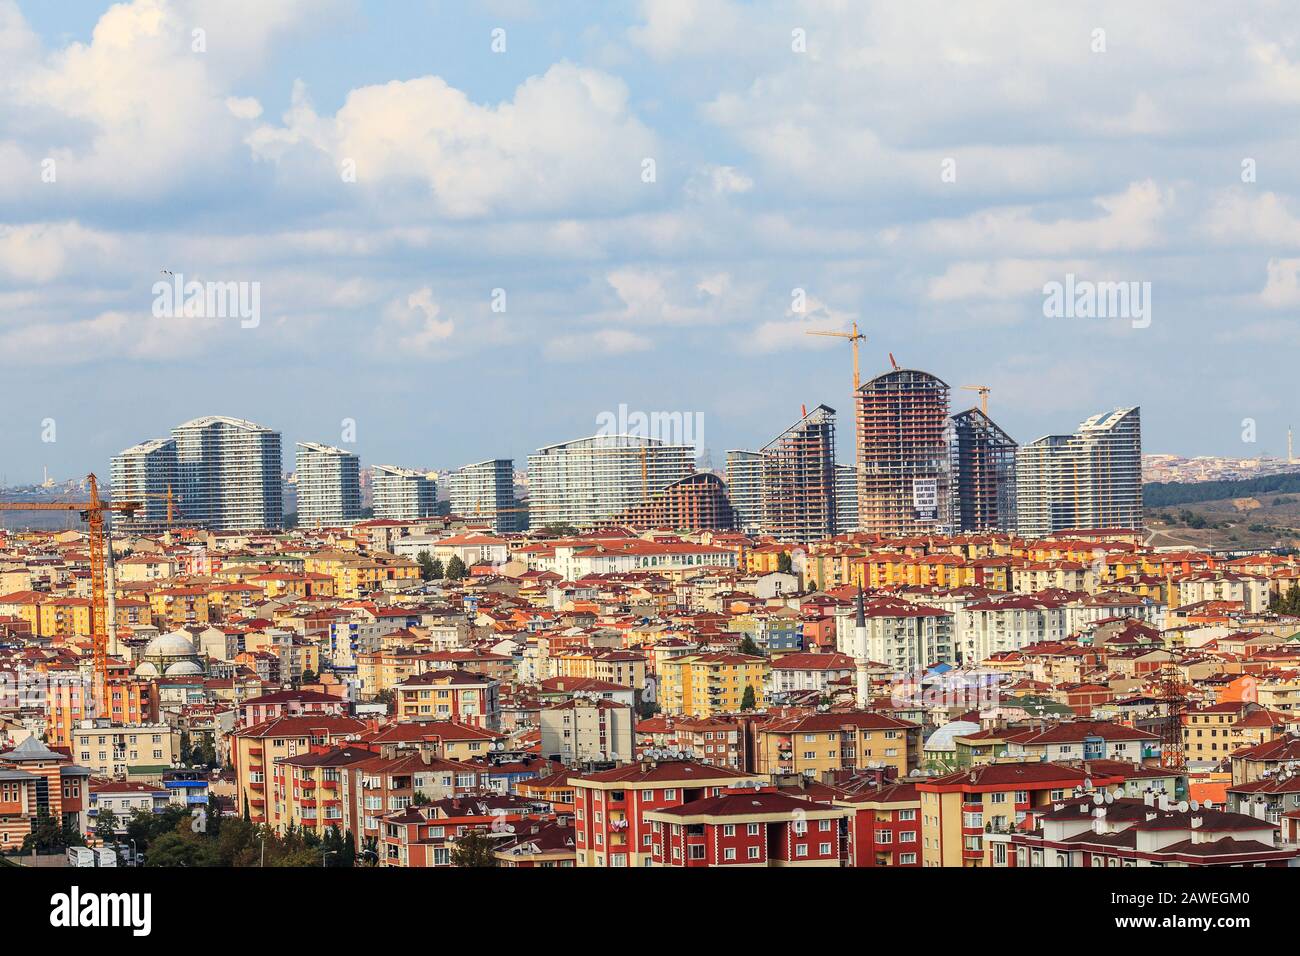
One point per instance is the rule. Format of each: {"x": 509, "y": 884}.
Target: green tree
{"x": 748, "y": 701}
{"x": 177, "y": 849}
{"x": 783, "y": 563}
{"x": 106, "y": 825}
{"x": 46, "y": 835}
{"x": 748, "y": 646}
{"x": 456, "y": 569}
{"x": 473, "y": 849}
{"x": 425, "y": 560}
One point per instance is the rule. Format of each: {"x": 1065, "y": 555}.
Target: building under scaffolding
{"x": 799, "y": 479}
{"x": 697, "y": 502}
{"x": 982, "y": 474}
{"x": 903, "y": 481}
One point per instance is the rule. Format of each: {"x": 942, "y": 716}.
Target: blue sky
{"x": 1113, "y": 157}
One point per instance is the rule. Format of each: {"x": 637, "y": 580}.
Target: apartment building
{"x": 1089, "y": 479}
{"x": 590, "y": 481}
{"x": 485, "y": 492}
{"x": 329, "y": 486}
{"x": 147, "y": 473}
{"x": 402, "y": 494}
{"x": 229, "y": 474}
{"x": 745, "y": 488}
{"x": 982, "y": 467}
{"x": 815, "y": 744}
{"x": 903, "y": 479}
{"x": 610, "y": 806}
{"x": 704, "y": 685}
{"x": 799, "y": 479}
{"x": 117, "y": 750}
{"x": 581, "y": 730}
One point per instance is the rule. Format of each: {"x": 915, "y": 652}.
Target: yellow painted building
{"x": 705, "y": 685}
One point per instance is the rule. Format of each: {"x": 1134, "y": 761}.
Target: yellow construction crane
{"x": 171, "y": 499}
{"x": 854, "y": 338}
{"x": 984, "y": 396}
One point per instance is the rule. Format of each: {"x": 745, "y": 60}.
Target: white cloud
{"x": 597, "y": 342}
{"x": 567, "y": 139}
{"x": 412, "y": 327}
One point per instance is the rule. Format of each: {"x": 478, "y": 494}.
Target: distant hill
{"x": 1165, "y": 494}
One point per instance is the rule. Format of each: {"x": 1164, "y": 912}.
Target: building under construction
{"x": 799, "y": 479}
{"x": 982, "y": 474}
{"x": 697, "y": 502}
{"x": 903, "y": 479}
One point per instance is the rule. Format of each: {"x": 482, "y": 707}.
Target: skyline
{"x": 390, "y": 190}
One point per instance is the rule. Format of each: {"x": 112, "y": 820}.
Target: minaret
{"x": 860, "y": 652}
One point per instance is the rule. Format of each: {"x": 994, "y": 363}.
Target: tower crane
{"x": 854, "y": 338}
{"x": 984, "y": 396}
{"x": 95, "y": 513}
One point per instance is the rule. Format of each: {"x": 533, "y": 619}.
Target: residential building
{"x": 329, "y": 486}
{"x": 590, "y": 481}
{"x": 485, "y": 492}
{"x": 799, "y": 479}
{"x": 745, "y": 488}
{"x": 229, "y": 474}
{"x": 982, "y": 467}
{"x": 1090, "y": 479}
{"x": 147, "y": 474}
{"x": 402, "y": 494}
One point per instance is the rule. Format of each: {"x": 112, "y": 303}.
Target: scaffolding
{"x": 799, "y": 479}
{"x": 903, "y": 455}
{"x": 982, "y": 472}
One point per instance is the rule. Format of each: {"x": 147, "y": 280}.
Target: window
{"x": 801, "y": 849}
{"x": 824, "y": 849}
{"x": 752, "y": 829}
{"x": 753, "y": 852}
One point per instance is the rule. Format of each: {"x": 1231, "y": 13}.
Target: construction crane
{"x": 984, "y": 396}
{"x": 170, "y": 498}
{"x": 95, "y": 513}
{"x": 1173, "y": 750}
{"x": 854, "y": 338}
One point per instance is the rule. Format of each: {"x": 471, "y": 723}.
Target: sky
{"x": 474, "y": 227}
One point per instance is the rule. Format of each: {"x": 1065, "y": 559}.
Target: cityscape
{"x": 468, "y": 438}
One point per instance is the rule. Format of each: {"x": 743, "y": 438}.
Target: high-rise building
{"x": 146, "y": 473}
{"x": 1090, "y": 479}
{"x": 697, "y": 502}
{"x": 590, "y": 481}
{"x": 846, "y": 499}
{"x": 485, "y": 491}
{"x": 329, "y": 485}
{"x": 745, "y": 488}
{"x": 403, "y": 494}
{"x": 982, "y": 471}
{"x": 230, "y": 474}
{"x": 799, "y": 479}
{"x": 903, "y": 482}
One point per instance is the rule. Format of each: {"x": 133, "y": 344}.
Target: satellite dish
{"x": 1196, "y": 805}
{"x": 1087, "y": 783}
{"x": 1110, "y": 797}
{"x": 1182, "y": 806}
{"x": 1098, "y": 799}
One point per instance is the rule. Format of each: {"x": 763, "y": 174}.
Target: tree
{"x": 747, "y": 646}
{"x": 106, "y": 824}
{"x": 748, "y": 701}
{"x": 783, "y": 563}
{"x": 456, "y": 569}
{"x": 176, "y": 849}
{"x": 438, "y": 572}
{"x": 473, "y": 849}
{"x": 308, "y": 677}
{"x": 46, "y": 835}
{"x": 420, "y": 799}
{"x": 425, "y": 560}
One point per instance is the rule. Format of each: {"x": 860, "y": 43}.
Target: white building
{"x": 146, "y": 473}
{"x": 329, "y": 486}
{"x": 745, "y": 488}
{"x": 403, "y": 494}
{"x": 906, "y": 637}
{"x": 485, "y": 491}
{"x": 1251, "y": 591}
{"x": 1008, "y": 623}
{"x": 585, "y": 728}
{"x": 590, "y": 481}
{"x": 1090, "y": 479}
{"x": 230, "y": 474}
